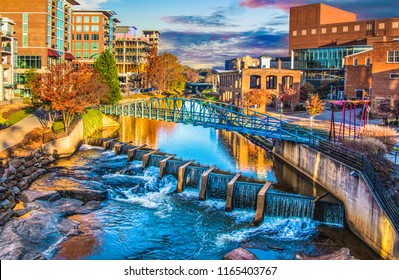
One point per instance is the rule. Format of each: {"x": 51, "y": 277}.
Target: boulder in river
{"x": 240, "y": 254}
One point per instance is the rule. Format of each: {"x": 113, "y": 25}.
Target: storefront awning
{"x": 69, "y": 56}
{"x": 52, "y": 53}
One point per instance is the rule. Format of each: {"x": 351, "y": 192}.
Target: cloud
{"x": 90, "y": 4}
{"x": 368, "y": 9}
{"x": 202, "y": 49}
{"x": 215, "y": 19}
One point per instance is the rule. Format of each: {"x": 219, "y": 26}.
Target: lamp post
{"x": 281, "y": 105}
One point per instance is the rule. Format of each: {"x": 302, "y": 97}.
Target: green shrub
{"x": 58, "y": 126}
{"x": 2, "y": 120}
{"x": 92, "y": 121}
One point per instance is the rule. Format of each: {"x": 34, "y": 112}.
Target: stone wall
{"x": 364, "y": 215}
{"x": 68, "y": 145}
{"x": 19, "y": 174}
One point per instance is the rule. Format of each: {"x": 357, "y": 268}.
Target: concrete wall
{"x": 364, "y": 216}
{"x": 66, "y": 146}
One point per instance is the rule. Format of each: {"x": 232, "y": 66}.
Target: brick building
{"x": 94, "y": 32}
{"x": 8, "y": 50}
{"x": 373, "y": 73}
{"x": 153, "y": 36}
{"x": 321, "y": 36}
{"x": 43, "y": 29}
{"x": 244, "y": 62}
{"x": 233, "y": 83}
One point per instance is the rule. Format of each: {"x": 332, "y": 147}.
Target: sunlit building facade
{"x": 8, "y": 50}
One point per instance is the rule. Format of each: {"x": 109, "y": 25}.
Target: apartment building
{"x": 131, "y": 54}
{"x": 321, "y": 36}
{"x": 8, "y": 50}
{"x": 43, "y": 29}
{"x": 373, "y": 74}
{"x": 94, "y": 31}
{"x": 153, "y": 36}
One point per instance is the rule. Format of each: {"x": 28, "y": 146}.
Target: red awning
{"x": 69, "y": 56}
{"x": 52, "y": 53}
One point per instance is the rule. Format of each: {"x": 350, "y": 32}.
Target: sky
{"x": 204, "y": 33}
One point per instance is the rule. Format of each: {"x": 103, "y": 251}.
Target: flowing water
{"x": 144, "y": 218}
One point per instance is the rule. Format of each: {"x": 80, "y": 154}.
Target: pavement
{"x": 14, "y": 134}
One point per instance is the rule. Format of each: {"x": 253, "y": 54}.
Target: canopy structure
{"x": 348, "y": 128}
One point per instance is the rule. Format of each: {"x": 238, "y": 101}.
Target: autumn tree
{"x": 165, "y": 73}
{"x": 291, "y": 96}
{"x": 191, "y": 74}
{"x": 384, "y": 108}
{"x": 306, "y": 90}
{"x": 256, "y": 97}
{"x": 106, "y": 65}
{"x": 70, "y": 90}
{"x": 315, "y": 107}
{"x": 395, "y": 109}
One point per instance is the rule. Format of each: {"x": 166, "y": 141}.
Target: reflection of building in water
{"x": 143, "y": 131}
{"x": 248, "y": 156}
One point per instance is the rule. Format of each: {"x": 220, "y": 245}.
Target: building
{"x": 131, "y": 54}
{"x": 94, "y": 32}
{"x": 374, "y": 73}
{"x": 321, "y": 36}
{"x": 244, "y": 62}
{"x": 43, "y": 29}
{"x": 233, "y": 83}
{"x": 8, "y": 50}
{"x": 153, "y": 36}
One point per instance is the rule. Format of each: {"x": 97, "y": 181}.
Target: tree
{"x": 106, "y": 65}
{"x": 315, "y": 107}
{"x": 306, "y": 90}
{"x": 291, "y": 96}
{"x": 256, "y": 97}
{"x": 70, "y": 90}
{"x": 395, "y": 109}
{"x": 191, "y": 74}
{"x": 384, "y": 108}
{"x": 165, "y": 73}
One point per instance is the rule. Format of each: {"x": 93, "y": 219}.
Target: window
{"x": 86, "y": 28}
{"x": 345, "y": 29}
{"x": 394, "y": 76}
{"x": 78, "y": 28}
{"x": 78, "y": 46}
{"x": 313, "y": 31}
{"x": 357, "y": 27}
{"x": 25, "y": 29}
{"x": 94, "y": 55}
{"x": 85, "y": 55}
{"x": 95, "y": 37}
{"x": 86, "y": 19}
{"x": 78, "y": 19}
{"x": 86, "y": 37}
{"x": 355, "y": 61}
{"x": 28, "y": 62}
{"x": 323, "y": 30}
{"x": 304, "y": 32}
{"x": 78, "y": 55}
{"x": 95, "y": 28}
{"x": 95, "y": 19}
{"x": 255, "y": 82}
{"x": 94, "y": 46}
{"x": 294, "y": 33}
{"x": 395, "y": 24}
{"x": 334, "y": 30}
{"x": 368, "y": 61}
{"x": 271, "y": 82}
{"x": 393, "y": 57}
{"x": 287, "y": 82}
{"x": 78, "y": 36}
{"x": 85, "y": 45}
{"x": 381, "y": 25}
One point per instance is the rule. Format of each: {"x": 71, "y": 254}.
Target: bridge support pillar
{"x": 260, "y": 205}
{"x": 204, "y": 183}
{"x": 131, "y": 152}
{"x": 162, "y": 166}
{"x": 106, "y": 143}
{"x": 146, "y": 158}
{"x": 180, "y": 179}
{"x": 117, "y": 148}
{"x": 229, "y": 193}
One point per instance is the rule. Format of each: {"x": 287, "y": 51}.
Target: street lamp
{"x": 281, "y": 105}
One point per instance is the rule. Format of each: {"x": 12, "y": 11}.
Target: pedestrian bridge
{"x": 212, "y": 114}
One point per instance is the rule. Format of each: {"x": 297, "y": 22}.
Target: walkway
{"x": 14, "y": 134}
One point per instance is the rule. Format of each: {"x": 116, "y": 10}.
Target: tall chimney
{"x": 279, "y": 64}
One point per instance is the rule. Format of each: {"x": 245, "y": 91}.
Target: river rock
{"x": 68, "y": 227}
{"x": 30, "y": 163}
{"x": 16, "y": 163}
{"x": 342, "y": 254}
{"x": 16, "y": 190}
{"x": 30, "y": 196}
{"x": 5, "y": 216}
{"x": 240, "y": 254}
{"x": 85, "y": 194}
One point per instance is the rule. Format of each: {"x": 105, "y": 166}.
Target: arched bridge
{"x": 212, "y": 114}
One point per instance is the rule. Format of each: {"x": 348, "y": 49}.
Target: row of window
{"x": 78, "y": 46}
{"x": 393, "y": 56}
{"x": 344, "y": 29}
{"x": 86, "y": 28}
{"x": 86, "y": 19}
{"x": 87, "y": 55}
{"x": 271, "y": 82}
{"x": 367, "y": 61}
{"x": 94, "y": 37}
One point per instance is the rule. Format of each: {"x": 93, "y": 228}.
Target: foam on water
{"x": 86, "y": 147}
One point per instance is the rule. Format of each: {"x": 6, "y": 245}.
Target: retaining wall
{"x": 364, "y": 216}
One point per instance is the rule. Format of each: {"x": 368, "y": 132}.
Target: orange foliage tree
{"x": 256, "y": 97}
{"x": 314, "y": 106}
{"x": 70, "y": 89}
{"x": 291, "y": 96}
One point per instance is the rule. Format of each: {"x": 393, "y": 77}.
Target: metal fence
{"x": 360, "y": 162}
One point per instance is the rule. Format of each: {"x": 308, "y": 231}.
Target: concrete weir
{"x": 180, "y": 179}
{"x": 204, "y": 183}
{"x": 146, "y": 158}
{"x": 229, "y": 193}
{"x": 162, "y": 165}
{"x": 260, "y": 204}
{"x": 130, "y": 154}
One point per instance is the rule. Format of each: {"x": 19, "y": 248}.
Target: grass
{"x": 58, "y": 127}
{"x": 211, "y": 97}
{"x": 19, "y": 115}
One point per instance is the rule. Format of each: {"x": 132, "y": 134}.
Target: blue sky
{"x": 204, "y": 33}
